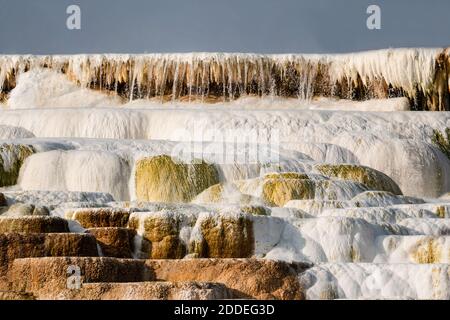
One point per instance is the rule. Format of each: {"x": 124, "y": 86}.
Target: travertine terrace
{"x": 225, "y": 176}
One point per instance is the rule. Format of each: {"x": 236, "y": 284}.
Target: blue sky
{"x": 266, "y": 26}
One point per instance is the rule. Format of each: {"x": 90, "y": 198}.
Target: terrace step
{"x": 115, "y": 242}
{"x": 99, "y": 217}
{"x": 33, "y": 224}
{"x": 45, "y": 276}
{"x": 247, "y": 278}
{"x": 149, "y": 291}
{"x": 243, "y": 278}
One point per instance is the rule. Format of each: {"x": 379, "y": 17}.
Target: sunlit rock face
{"x": 162, "y": 179}
{"x": 223, "y": 176}
{"x": 247, "y": 278}
{"x": 224, "y": 236}
{"x": 277, "y": 192}
{"x": 112, "y": 278}
{"x": 21, "y": 245}
{"x": 160, "y": 234}
{"x": 47, "y": 278}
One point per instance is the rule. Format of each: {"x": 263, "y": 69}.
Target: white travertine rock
{"x": 377, "y": 281}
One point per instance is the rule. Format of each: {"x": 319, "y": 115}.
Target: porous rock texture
{"x": 151, "y": 290}
{"x": 162, "y": 178}
{"x": 114, "y": 241}
{"x": 33, "y": 224}
{"x": 248, "y": 278}
{"x": 50, "y": 277}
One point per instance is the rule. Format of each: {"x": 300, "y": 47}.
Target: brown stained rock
{"x": 100, "y": 217}
{"x": 15, "y": 246}
{"x": 170, "y": 247}
{"x": 247, "y": 278}
{"x": 70, "y": 245}
{"x": 3, "y": 201}
{"x": 224, "y": 236}
{"x": 14, "y": 295}
{"x": 353, "y": 82}
{"x": 33, "y": 224}
{"x": 160, "y": 234}
{"x": 114, "y": 242}
{"x": 49, "y": 278}
{"x": 171, "y": 235}
{"x": 212, "y": 235}
{"x": 109, "y": 278}
{"x": 151, "y": 291}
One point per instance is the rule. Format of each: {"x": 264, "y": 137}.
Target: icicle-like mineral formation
{"x": 418, "y": 74}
